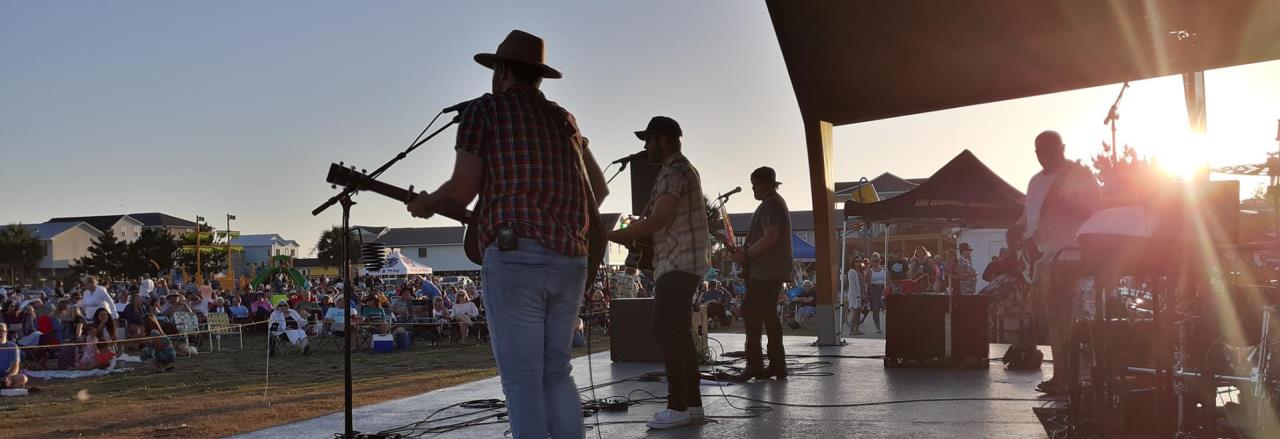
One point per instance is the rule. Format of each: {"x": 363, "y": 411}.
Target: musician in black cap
{"x": 767, "y": 261}
{"x": 676, "y": 218}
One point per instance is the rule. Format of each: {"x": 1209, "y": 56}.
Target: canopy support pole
{"x": 822, "y": 187}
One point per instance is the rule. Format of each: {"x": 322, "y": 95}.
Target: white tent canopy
{"x": 398, "y": 265}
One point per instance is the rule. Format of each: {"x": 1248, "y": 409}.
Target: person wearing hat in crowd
{"x": 964, "y": 278}
{"x": 767, "y": 260}
{"x": 537, "y": 180}
{"x": 296, "y": 334}
{"x": 676, "y": 218}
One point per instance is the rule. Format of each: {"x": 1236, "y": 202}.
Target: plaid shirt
{"x": 533, "y": 176}
{"x": 685, "y": 243}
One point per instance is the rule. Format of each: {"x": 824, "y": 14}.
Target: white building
{"x": 441, "y": 247}
{"x": 125, "y": 227}
{"x": 64, "y": 243}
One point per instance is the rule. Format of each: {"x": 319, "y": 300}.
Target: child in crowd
{"x": 160, "y": 351}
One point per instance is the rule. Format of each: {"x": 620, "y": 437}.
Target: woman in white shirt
{"x": 878, "y": 279}
{"x": 464, "y": 312}
{"x": 853, "y": 295}
{"x": 278, "y": 325}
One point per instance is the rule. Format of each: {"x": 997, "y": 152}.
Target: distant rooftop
{"x": 47, "y": 231}
{"x": 264, "y": 240}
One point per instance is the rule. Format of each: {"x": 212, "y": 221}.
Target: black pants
{"x": 759, "y": 307}
{"x": 672, "y": 317}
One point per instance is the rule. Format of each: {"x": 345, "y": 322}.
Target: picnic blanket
{"x": 72, "y": 374}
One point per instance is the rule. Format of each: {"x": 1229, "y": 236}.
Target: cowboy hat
{"x": 521, "y": 47}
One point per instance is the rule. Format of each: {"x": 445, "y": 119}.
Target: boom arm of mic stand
{"x": 615, "y": 174}
{"x": 350, "y": 191}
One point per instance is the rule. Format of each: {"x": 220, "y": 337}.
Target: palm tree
{"x": 329, "y": 247}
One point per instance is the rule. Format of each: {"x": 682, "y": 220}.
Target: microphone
{"x": 730, "y": 193}
{"x": 459, "y": 106}
{"x": 632, "y": 157}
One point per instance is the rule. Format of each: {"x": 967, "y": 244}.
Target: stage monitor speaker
{"x": 643, "y": 176}
{"x": 916, "y": 334}
{"x": 630, "y": 333}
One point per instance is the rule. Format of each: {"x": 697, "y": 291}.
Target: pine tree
{"x": 107, "y": 256}
{"x": 152, "y": 253}
{"x": 20, "y": 251}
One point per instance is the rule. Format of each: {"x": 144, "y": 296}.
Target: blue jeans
{"x": 531, "y": 297}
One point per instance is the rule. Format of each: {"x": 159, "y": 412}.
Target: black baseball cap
{"x": 765, "y": 174}
{"x": 660, "y": 125}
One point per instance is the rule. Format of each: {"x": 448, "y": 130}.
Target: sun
{"x": 1184, "y": 158}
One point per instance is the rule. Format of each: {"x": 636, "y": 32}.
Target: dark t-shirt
{"x": 775, "y": 262}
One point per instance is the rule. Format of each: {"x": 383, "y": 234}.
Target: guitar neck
{"x": 404, "y": 196}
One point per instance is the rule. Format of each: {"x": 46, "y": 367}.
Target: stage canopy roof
{"x": 964, "y": 191}
{"x": 857, "y": 61}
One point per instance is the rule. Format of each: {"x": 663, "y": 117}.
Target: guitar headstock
{"x": 345, "y": 176}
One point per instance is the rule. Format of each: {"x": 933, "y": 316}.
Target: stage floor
{"x": 853, "y": 381}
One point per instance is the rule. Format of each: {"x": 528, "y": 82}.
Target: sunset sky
{"x": 238, "y": 107}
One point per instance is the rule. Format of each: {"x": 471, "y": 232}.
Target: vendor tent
{"x": 801, "y": 250}
{"x": 398, "y": 264}
{"x": 964, "y": 191}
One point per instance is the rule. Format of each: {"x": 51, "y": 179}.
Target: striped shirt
{"x": 685, "y": 243}
{"x": 533, "y": 176}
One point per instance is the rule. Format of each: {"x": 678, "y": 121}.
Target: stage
{"x": 852, "y": 381}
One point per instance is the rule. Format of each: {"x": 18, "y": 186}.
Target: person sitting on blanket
{"x": 297, "y": 334}
{"x": 160, "y": 351}
{"x": 10, "y": 362}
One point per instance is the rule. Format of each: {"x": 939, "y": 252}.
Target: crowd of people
{"x": 86, "y": 326}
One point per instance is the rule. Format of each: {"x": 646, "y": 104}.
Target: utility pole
{"x": 231, "y": 268}
{"x": 199, "y": 277}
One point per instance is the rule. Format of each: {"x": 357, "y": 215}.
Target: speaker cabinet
{"x": 630, "y": 336}
{"x": 916, "y": 331}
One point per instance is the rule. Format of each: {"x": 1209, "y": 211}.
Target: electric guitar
{"x": 349, "y": 177}
{"x": 640, "y": 253}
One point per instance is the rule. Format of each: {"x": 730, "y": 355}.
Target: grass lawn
{"x": 219, "y": 394}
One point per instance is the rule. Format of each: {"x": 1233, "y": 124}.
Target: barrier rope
{"x": 232, "y": 327}
{"x": 221, "y": 329}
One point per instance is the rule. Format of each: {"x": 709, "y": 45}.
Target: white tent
{"x": 398, "y": 265}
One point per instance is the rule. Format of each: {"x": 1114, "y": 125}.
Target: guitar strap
{"x": 593, "y": 221}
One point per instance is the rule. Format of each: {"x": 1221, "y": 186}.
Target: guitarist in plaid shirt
{"x": 676, "y": 218}
{"x": 525, "y": 158}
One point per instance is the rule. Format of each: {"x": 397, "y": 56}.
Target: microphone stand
{"x": 1112, "y": 116}
{"x": 344, "y": 198}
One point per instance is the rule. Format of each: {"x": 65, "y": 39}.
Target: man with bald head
{"x": 1059, "y": 199}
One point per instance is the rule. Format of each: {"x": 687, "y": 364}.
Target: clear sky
{"x": 238, "y": 107}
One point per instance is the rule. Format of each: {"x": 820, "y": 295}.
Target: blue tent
{"x": 801, "y": 250}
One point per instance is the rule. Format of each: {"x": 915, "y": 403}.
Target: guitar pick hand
{"x": 421, "y": 206}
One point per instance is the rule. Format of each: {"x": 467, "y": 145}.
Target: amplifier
{"x": 916, "y": 333}
{"x": 630, "y": 331}
{"x": 631, "y": 336}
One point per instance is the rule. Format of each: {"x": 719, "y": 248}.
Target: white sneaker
{"x": 667, "y": 419}
{"x": 697, "y": 416}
